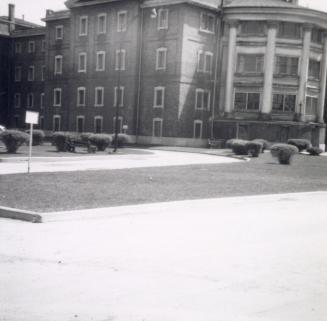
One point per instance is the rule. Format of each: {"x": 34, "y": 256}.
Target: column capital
{"x": 232, "y": 23}
{"x": 272, "y": 24}
{"x": 307, "y": 27}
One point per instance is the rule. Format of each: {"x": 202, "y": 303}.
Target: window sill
{"x": 207, "y": 31}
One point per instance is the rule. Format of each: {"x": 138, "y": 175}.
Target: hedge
{"x": 122, "y": 139}
{"x": 284, "y": 152}
{"x": 239, "y": 147}
{"x": 13, "y": 139}
{"x": 101, "y": 141}
{"x": 301, "y": 144}
{"x": 265, "y": 143}
{"x": 254, "y": 148}
{"x": 38, "y": 137}
{"x": 314, "y": 151}
{"x": 61, "y": 140}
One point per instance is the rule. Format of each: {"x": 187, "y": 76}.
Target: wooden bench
{"x": 216, "y": 143}
{"x": 71, "y": 146}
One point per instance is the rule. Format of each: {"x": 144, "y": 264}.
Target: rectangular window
{"x": 81, "y": 93}
{"x": 314, "y": 69}
{"x": 316, "y": 36}
{"x": 31, "y": 73}
{"x": 82, "y": 62}
{"x": 207, "y": 23}
{"x": 43, "y": 46}
{"x": 120, "y": 124}
{"x": 286, "y": 65}
{"x": 311, "y": 105}
{"x": 31, "y": 46}
{"x": 157, "y": 127}
{"x": 120, "y": 59}
{"x": 83, "y": 25}
{"x": 250, "y": 63}
{"x": 119, "y": 95}
{"x": 59, "y": 32}
{"x": 42, "y": 100}
{"x": 161, "y": 59}
{"x": 17, "y": 100}
{"x": 159, "y": 97}
{"x": 197, "y": 129}
{"x": 56, "y": 123}
{"x": 58, "y": 65}
{"x": 18, "y": 73}
{"x": 42, "y": 73}
{"x": 57, "y": 97}
{"x": 289, "y": 30}
{"x": 205, "y": 61}
{"x": 163, "y": 19}
{"x": 99, "y": 96}
{"x": 247, "y": 101}
{"x": 102, "y": 23}
{"x": 98, "y": 124}
{"x": 121, "y": 21}
{"x": 202, "y": 99}
{"x": 30, "y": 100}
{"x": 101, "y": 61}
{"x": 252, "y": 28}
{"x": 283, "y": 103}
{"x": 80, "y": 124}
{"x": 18, "y": 48}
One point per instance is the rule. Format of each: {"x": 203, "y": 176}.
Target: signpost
{"x": 32, "y": 118}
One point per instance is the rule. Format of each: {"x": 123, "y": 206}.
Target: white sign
{"x": 32, "y": 117}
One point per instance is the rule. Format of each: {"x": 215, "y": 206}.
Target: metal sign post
{"x": 31, "y": 118}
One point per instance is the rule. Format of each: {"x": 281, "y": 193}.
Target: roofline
{"x": 72, "y": 4}
{"x": 153, "y": 3}
{"x": 57, "y": 15}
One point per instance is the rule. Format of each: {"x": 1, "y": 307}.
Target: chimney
{"x": 11, "y": 17}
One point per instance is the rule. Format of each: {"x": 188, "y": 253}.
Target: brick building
{"x": 180, "y": 71}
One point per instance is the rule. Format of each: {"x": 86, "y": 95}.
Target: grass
{"x": 75, "y": 190}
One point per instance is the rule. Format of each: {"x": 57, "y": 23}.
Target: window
{"x": 161, "y": 59}
{"x": 31, "y": 46}
{"x": 80, "y": 124}
{"x": 159, "y": 97}
{"x": 205, "y": 61}
{"x": 42, "y": 100}
{"x": 31, "y": 73}
{"x": 314, "y": 69}
{"x": 83, "y": 25}
{"x": 42, "y": 73}
{"x": 311, "y": 105}
{"x": 30, "y": 100}
{"x": 98, "y": 124}
{"x": 316, "y": 35}
{"x": 17, "y": 100}
{"x": 58, "y": 65}
{"x": 207, "y": 23}
{"x": 59, "y": 32}
{"x": 202, "y": 99}
{"x": 81, "y": 93}
{"x": 157, "y": 127}
{"x": 252, "y": 28}
{"x": 121, "y": 21}
{"x": 82, "y": 62}
{"x": 99, "y": 98}
{"x": 286, "y": 66}
{"x": 102, "y": 23}
{"x": 43, "y": 46}
{"x": 289, "y": 30}
{"x": 283, "y": 103}
{"x": 56, "y": 123}
{"x": 57, "y": 97}
{"x": 247, "y": 101}
{"x": 120, "y": 124}
{"x": 197, "y": 129}
{"x": 18, "y": 48}
{"x": 163, "y": 19}
{"x": 120, "y": 59}
{"x": 101, "y": 61}
{"x": 18, "y": 73}
{"x": 250, "y": 63}
{"x": 119, "y": 94}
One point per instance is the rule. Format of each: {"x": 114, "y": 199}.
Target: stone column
{"x": 269, "y": 69}
{"x": 304, "y": 71}
{"x": 323, "y": 75}
{"x": 230, "y": 66}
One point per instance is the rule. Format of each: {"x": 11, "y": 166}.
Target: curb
{"x": 16, "y": 214}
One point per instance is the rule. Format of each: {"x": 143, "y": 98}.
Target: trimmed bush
{"x": 284, "y": 152}
{"x": 314, "y": 151}
{"x": 123, "y": 139}
{"x": 229, "y": 142}
{"x": 62, "y": 139}
{"x": 265, "y": 143}
{"x": 84, "y": 137}
{"x": 301, "y": 144}
{"x": 38, "y": 137}
{"x": 13, "y": 139}
{"x": 239, "y": 147}
{"x": 101, "y": 141}
{"x": 254, "y": 148}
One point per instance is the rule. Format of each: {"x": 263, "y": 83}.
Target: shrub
{"x": 38, "y": 137}
{"x": 84, "y": 137}
{"x": 122, "y": 139}
{"x": 229, "y": 142}
{"x": 13, "y": 139}
{"x": 62, "y": 139}
{"x": 239, "y": 147}
{"x": 284, "y": 152}
{"x": 254, "y": 148}
{"x": 314, "y": 151}
{"x": 301, "y": 144}
{"x": 265, "y": 143}
{"x": 101, "y": 141}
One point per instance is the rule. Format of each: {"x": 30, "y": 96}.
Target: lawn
{"x": 90, "y": 189}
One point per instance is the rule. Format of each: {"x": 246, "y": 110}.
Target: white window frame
{"x": 61, "y": 35}
{"x": 120, "y": 123}
{"x": 42, "y": 96}
{"x": 158, "y": 52}
{"x": 99, "y": 53}
{"x": 77, "y": 118}
{"x": 53, "y": 122}
{"x": 163, "y": 24}
{"x": 120, "y": 53}
{"x": 201, "y": 18}
{"x": 97, "y": 89}
{"x": 153, "y": 126}
{"x": 205, "y": 68}
{"x": 43, "y": 68}
{"x": 57, "y": 70}
{"x": 122, "y": 91}
{"x": 203, "y": 91}
{"x": 247, "y": 109}
{"x": 95, "y": 121}
{"x": 156, "y": 90}
{"x": 198, "y": 121}
{"x": 18, "y": 73}
{"x": 121, "y": 28}
{"x": 18, "y": 47}
{"x": 55, "y": 103}
{"x": 104, "y": 31}
{"x": 31, "y": 46}
{"x": 18, "y": 100}
{"x": 78, "y": 103}
{"x": 31, "y": 73}
{"x": 82, "y": 32}
{"x": 28, "y": 104}
{"x": 82, "y": 54}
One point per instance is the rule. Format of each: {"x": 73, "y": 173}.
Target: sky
{"x": 35, "y": 10}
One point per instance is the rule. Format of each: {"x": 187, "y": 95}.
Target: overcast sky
{"x": 35, "y": 10}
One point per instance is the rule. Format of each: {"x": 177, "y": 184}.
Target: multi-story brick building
{"x": 180, "y": 71}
